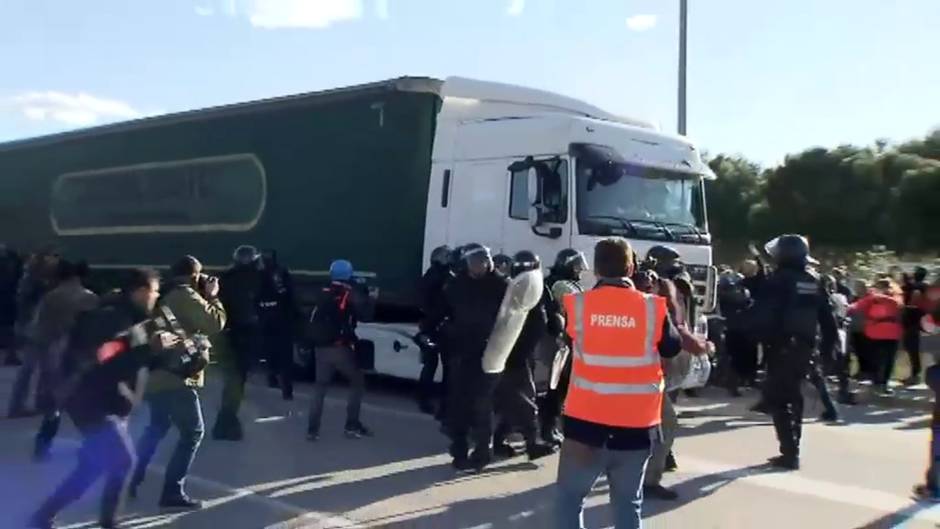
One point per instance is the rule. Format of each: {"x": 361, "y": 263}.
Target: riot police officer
{"x": 278, "y": 314}
{"x": 473, "y": 301}
{"x": 564, "y": 278}
{"x": 240, "y": 289}
{"x": 433, "y": 304}
{"x": 515, "y": 394}
{"x": 788, "y": 312}
{"x": 503, "y": 264}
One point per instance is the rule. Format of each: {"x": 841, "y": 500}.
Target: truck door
{"x": 476, "y": 203}
{"x": 552, "y": 203}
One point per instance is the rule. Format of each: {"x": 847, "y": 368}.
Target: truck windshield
{"x": 644, "y": 202}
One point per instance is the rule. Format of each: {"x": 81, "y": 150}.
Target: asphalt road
{"x": 855, "y": 475}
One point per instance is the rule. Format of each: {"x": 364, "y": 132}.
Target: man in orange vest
{"x": 613, "y": 410}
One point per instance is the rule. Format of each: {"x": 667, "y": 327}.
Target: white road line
{"x": 317, "y": 520}
{"x": 796, "y": 484}
{"x": 273, "y": 418}
{"x": 403, "y": 414}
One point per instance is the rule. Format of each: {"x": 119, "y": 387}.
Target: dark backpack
{"x": 329, "y": 320}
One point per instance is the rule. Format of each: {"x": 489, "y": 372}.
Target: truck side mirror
{"x": 536, "y": 217}
{"x": 534, "y": 186}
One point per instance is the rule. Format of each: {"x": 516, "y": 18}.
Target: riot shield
{"x": 522, "y": 295}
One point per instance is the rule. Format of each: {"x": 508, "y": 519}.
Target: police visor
{"x": 478, "y": 260}
{"x": 577, "y": 263}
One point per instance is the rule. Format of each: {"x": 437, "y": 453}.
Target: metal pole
{"x": 683, "y": 27}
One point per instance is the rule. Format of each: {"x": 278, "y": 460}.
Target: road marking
{"x": 404, "y": 414}
{"x": 318, "y": 520}
{"x": 797, "y": 484}
{"x": 273, "y": 418}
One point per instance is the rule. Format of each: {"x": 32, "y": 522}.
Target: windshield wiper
{"x": 692, "y": 227}
{"x": 659, "y": 225}
{"x": 627, "y": 225}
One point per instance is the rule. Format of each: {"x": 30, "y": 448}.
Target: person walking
{"x": 173, "y": 396}
{"x": 241, "y": 345}
{"x": 914, "y": 292}
{"x": 109, "y": 357}
{"x": 55, "y": 318}
{"x": 882, "y": 311}
{"x": 613, "y": 409}
{"x": 334, "y": 321}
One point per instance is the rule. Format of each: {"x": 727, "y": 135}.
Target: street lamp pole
{"x": 683, "y": 27}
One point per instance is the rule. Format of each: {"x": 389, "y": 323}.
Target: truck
{"x": 379, "y": 174}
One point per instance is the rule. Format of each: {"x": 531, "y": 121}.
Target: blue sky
{"x": 765, "y": 78}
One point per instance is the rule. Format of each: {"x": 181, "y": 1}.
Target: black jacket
{"x": 432, "y": 299}
{"x": 239, "y": 291}
{"x": 794, "y": 306}
{"x": 472, "y": 307}
{"x": 276, "y": 303}
{"x": 533, "y": 330}
{"x": 96, "y": 394}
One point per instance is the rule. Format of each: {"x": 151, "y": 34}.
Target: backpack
{"x": 329, "y": 320}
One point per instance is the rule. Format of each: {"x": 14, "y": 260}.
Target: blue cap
{"x": 341, "y": 270}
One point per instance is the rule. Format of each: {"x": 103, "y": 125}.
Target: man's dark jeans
{"x": 106, "y": 451}
{"x": 180, "y": 408}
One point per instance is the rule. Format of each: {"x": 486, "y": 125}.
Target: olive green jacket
{"x": 196, "y": 315}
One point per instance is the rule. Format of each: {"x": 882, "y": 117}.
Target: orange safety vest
{"x": 616, "y": 378}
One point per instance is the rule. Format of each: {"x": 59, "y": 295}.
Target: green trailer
{"x": 319, "y": 176}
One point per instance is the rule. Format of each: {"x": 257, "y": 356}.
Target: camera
{"x": 202, "y": 282}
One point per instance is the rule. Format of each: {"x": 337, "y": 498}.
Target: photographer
{"x": 109, "y": 356}
{"x": 173, "y": 390}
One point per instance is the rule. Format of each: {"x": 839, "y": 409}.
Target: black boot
{"x": 536, "y": 450}
{"x": 785, "y": 462}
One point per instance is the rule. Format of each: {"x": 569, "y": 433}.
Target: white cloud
{"x": 381, "y": 9}
{"x": 204, "y": 11}
{"x": 516, "y": 7}
{"x": 273, "y": 14}
{"x": 641, "y": 22}
{"x": 79, "y": 109}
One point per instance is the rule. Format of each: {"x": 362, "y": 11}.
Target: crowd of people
{"x": 617, "y": 354}
{"x": 97, "y": 355}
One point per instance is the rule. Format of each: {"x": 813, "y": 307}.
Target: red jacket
{"x": 882, "y": 316}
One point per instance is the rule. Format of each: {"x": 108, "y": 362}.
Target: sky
{"x": 765, "y": 78}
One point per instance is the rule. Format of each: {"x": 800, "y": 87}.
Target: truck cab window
{"x": 554, "y": 197}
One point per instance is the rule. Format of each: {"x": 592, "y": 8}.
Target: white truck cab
{"x": 520, "y": 169}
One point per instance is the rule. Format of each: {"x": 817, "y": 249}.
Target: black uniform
{"x": 278, "y": 316}
{"x": 734, "y": 300}
{"x": 434, "y": 305}
{"x": 791, "y": 308}
{"x": 239, "y": 291}
{"x": 515, "y": 395}
{"x": 911, "y": 319}
{"x": 472, "y": 306}
{"x": 551, "y": 404}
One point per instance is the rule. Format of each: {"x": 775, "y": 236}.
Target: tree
{"x": 731, "y": 196}
{"x": 928, "y": 147}
{"x": 828, "y": 195}
{"x": 917, "y": 207}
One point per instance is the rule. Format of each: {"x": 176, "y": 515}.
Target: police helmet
{"x": 503, "y": 263}
{"x": 341, "y": 270}
{"x": 790, "y": 250}
{"x": 665, "y": 260}
{"x": 246, "y": 254}
{"x": 662, "y": 253}
{"x": 525, "y": 261}
{"x": 477, "y": 257}
{"x": 442, "y": 256}
{"x": 571, "y": 262}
